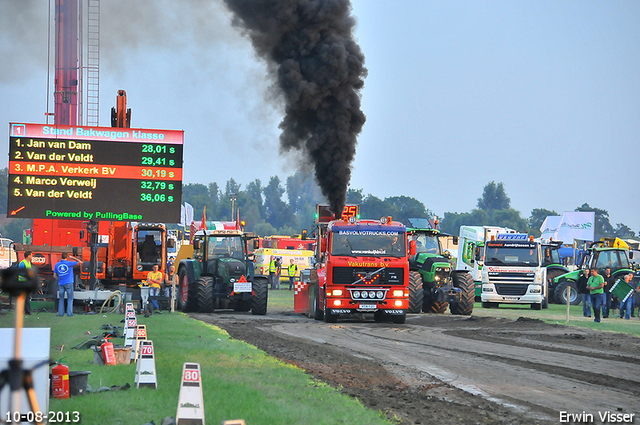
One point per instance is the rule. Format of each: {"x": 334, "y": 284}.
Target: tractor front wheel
{"x": 260, "y": 296}
{"x": 205, "y": 299}
{"x": 416, "y": 292}
{"x": 465, "y": 283}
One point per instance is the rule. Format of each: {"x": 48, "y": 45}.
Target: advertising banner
{"x": 570, "y": 226}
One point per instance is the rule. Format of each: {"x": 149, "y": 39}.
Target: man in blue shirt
{"x": 63, "y": 270}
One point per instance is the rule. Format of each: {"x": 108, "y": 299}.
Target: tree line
{"x": 286, "y": 208}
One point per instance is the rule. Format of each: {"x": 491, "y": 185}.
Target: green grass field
{"x": 239, "y": 381}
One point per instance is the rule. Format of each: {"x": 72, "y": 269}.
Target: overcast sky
{"x": 543, "y": 96}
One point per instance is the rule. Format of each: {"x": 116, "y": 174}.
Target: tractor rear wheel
{"x": 260, "y": 296}
{"x": 560, "y": 295}
{"x": 465, "y": 283}
{"x": 186, "y": 293}
{"x": 205, "y": 299}
{"x": 416, "y": 293}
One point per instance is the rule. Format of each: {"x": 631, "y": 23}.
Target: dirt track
{"x": 454, "y": 369}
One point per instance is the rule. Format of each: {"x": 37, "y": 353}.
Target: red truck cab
{"x": 362, "y": 267}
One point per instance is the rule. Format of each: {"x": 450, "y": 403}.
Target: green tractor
{"x": 599, "y": 256}
{"x": 433, "y": 282}
{"x": 218, "y": 275}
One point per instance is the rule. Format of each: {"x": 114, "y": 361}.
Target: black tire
{"x": 204, "y": 286}
{"x": 186, "y": 292}
{"x": 378, "y": 316}
{"x": 465, "y": 283}
{"x": 435, "y": 307}
{"x": 552, "y": 274}
{"x": 399, "y": 319}
{"x": 260, "y": 296}
{"x": 416, "y": 293}
{"x": 328, "y": 317}
{"x": 545, "y": 302}
{"x": 560, "y": 297}
{"x": 536, "y": 306}
{"x": 318, "y": 314}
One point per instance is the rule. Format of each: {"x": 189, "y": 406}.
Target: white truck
{"x": 470, "y": 255}
{"x": 513, "y": 272}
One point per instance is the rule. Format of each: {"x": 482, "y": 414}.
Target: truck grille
{"x": 388, "y": 276}
{"x": 511, "y": 283}
{"x": 511, "y": 289}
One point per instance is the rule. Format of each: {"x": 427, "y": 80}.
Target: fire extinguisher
{"x": 108, "y": 353}
{"x": 60, "y": 378}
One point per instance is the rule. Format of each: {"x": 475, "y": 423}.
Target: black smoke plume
{"x": 320, "y": 69}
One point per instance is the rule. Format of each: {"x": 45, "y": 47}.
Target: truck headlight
{"x": 337, "y": 292}
{"x": 356, "y": 294}
{"x": 487, "y": 289}
{"x": 535, "y": 290}
{"x": 380, "y": 294}
{"x": 398, "y": 292}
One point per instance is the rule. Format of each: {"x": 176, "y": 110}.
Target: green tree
{"x": 451, "y": 222}
{"x": 510, "y": 218}
{"x": 494, "y": 198}
{"x": 302, "y": 190}
{"x": 14, "y": 227}
{"x": 623, "y": 231}
{"x": 355, "y": 196}
{"x": 537, "y": 217}
{"x": 278, "y": 213}
{"x": 408, "y": 208}
{"x": 373, "y": 207}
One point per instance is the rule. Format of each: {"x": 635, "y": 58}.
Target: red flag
{"x": 204, "y": 219}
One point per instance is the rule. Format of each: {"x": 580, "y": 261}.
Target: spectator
{"x": 586, "y": 297}
{"x": 272, "y": 271}
{"x": 627, "y": 305}
{"x": 154, "y": 280}
{"x": 292, "y": 268}
{"x": 26, "y": 264}
{"x": 170, "y": 283}
{"x": 278, "y": 271}
{"x": 608, "y": 282}
{"x": 636, "y": 297}
{"x": 615, "y": 306}
{"x": 63, "y": 271}
{"x": 595, "y": 284}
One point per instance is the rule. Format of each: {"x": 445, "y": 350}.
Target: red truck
{"x": 362, "y": 266}
{"x": 125, "y": 252}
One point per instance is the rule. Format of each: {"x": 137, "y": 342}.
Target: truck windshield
{"x": 370, "y": 243}
{"x": 551, "y": 255}
{"x": 511, "y": 254}
{"x": 427, "y": 243}
{"x": 225, "y": 246}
